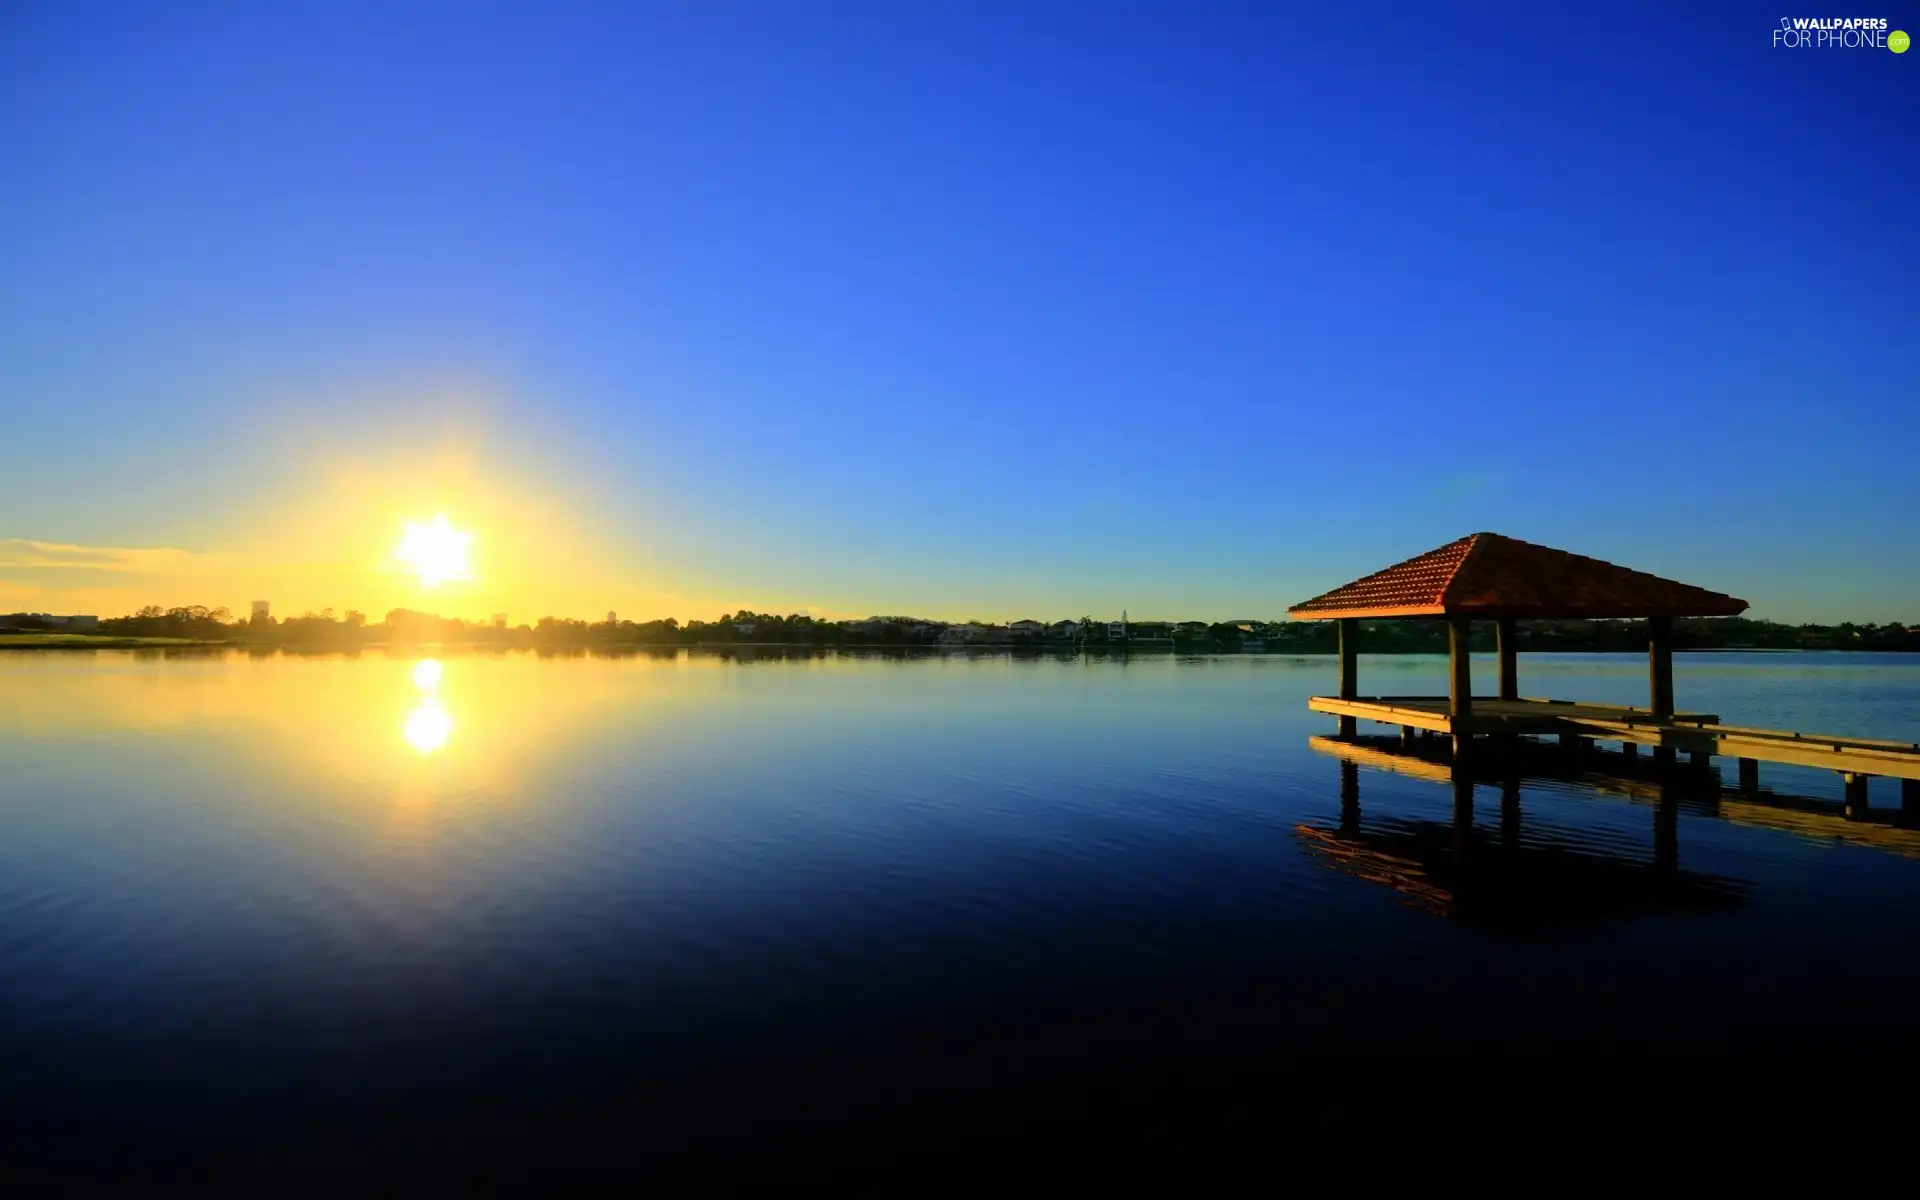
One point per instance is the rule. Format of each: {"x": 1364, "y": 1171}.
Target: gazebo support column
{"x": 1506, "y": 642}
{"x": 1660, "y": 677}
{"x": 1349, "y": 670}
{"x": 1508, "y": 639}
{"x": 1660, "y": 664}
{"x": 1460, "y": 686}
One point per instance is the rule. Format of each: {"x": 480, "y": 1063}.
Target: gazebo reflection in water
{"x": 1496, "y": 877}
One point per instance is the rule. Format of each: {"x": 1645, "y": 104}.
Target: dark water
{"x": 256, "y": 903}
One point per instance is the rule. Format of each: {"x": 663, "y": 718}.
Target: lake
{"x": 251, "y": 900}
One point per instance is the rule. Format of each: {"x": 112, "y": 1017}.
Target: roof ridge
{"x": 1473, "y": 541}
{"x": 1609, "y": 564}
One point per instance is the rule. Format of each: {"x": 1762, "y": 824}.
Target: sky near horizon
{"x": 989, "y": 310}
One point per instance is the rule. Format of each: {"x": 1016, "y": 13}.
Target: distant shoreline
{"x": 76, "y": 641}
{"x": 81, "y": 641}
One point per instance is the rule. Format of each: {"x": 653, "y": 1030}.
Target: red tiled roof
{"x": 1489, "y": 575}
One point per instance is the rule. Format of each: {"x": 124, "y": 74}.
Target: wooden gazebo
{"x": 1487, "y": 576}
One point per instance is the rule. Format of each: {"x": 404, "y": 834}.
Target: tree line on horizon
{"x": 745, "y": 627}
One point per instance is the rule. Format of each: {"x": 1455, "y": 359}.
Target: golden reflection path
{"x": 429, "y": 724}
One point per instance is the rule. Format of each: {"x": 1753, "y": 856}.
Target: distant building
{"x": 746, "y": 627}
{"x": 1026, "y": 629}
{"x": 499, "y": 620}
{"x": 1117, "y": 630}
{"x": 1064, "y": 629}
{"x": 972, "y": 634}
{"x": 612, "y": 617}
{"x": 262, "y": 611}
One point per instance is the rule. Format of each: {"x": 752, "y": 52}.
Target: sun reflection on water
{"x": 428, "y": 724}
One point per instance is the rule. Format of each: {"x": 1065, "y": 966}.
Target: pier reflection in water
{"x": 1582, "y": 770}
{"x": 1499, "y": 878}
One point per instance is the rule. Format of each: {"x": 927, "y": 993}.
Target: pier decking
{"x": 1488, "y": 576}
{"x": 1682, "y": 732}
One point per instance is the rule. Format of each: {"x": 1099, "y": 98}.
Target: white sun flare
{"x": 435, "y": 551}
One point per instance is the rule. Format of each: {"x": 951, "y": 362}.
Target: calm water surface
{"x": 720, "y": 897}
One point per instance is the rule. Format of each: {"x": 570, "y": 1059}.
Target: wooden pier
{"x": 1681, "y": 732}
{"x": 1488, "y": 576}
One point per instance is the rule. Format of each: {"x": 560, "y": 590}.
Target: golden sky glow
{"x": 437, "y": 524}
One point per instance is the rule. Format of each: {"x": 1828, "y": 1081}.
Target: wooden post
{"x": 1630, "y": 749}
{"x": 1406, "y": 735}
{"x": 1508, "y": 640}
{"x": 1460, "y": 685}
{"x": 1750, "y": 776}
{"x": 1569, "y": 740}
{"x": 1910, "y": 799}
{"x": 1660, "y": 664}
{"x": 1856, "y": 793}
{"x": 1349, "y": 669}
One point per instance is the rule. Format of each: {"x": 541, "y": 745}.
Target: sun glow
{"x": 435, "y": 551}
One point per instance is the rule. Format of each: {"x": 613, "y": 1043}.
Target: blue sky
{"x": 962, "y": 310}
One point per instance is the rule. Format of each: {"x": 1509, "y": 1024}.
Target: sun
{"x": 435, "y": 551}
